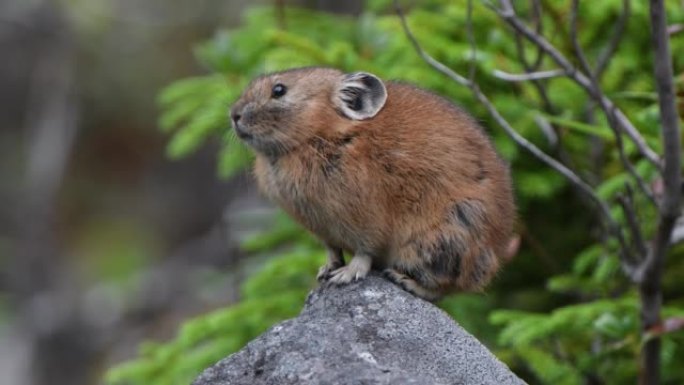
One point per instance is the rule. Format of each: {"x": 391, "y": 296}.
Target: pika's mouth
{"x": 241, "y": 133}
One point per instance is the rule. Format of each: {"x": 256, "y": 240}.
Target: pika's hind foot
{"x": 358, "y": 267}
{"x": 410, "y": 285}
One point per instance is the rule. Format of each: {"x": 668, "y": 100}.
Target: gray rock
{"x": 369, "y": 332}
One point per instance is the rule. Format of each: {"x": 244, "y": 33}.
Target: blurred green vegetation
{"x": 561, "y": 312}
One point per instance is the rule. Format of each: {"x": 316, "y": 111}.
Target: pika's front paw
{"x": 357, "y": 268}
{"x": 325, "y": 271}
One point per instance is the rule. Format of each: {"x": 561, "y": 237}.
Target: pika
{"x": 401, "y": 178}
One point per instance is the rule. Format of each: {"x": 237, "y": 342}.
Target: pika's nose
{"x": 235, "y": 116}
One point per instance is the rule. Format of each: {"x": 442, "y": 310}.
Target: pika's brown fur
{"x": 399, "y": 177}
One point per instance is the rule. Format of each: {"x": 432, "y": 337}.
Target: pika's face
{"x": 280, "y": 111}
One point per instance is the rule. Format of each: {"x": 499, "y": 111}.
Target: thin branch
{"x": 650, "y": 292}
{"x": 586, "y": 67}
{"x": 602, "y": 63}
{"x": 618, "y": 33}
{"x": 534, "y": 67}
{"x": 570, "y": 175}
{"x": 471, "y": 40}
{"x": 507, "y": 13}
{"x": 529, "y": 76}
{"x": 546, "y": 103}
{"x": 643, "y": 186}
{"x": 425, "y": 56}
{"x": 675, "y": 29}
{"x": 627, "y": 203}
{"x": 539, "y": 28}
{"x": 574, "y": 38}
{"x": 547, "y": 129}
{"x": 671, "y": 139}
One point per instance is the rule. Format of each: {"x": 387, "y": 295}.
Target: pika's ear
{"x": 360, "y": 95}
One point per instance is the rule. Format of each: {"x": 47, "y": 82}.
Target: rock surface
{"x": 368, "y": 332}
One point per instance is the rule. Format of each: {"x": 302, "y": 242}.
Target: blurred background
{"x": 126, "y": 209}
{"x": 104, "y": 241}
{"x": 101, "y": 236}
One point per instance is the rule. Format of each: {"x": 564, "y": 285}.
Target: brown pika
{"x": 399, "y": 177}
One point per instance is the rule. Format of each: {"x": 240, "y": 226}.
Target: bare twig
{"x": 570, "y": 175}
{"x": 425, "y": 56}
{"x": 546, "y": 103}
{"x": 675, "y": 29}
{"x": 534, "y": 67}
{"x": 607, "y": 54}
{"x": 574, "y": 38}
{"x": 507, "y": 13}
{"x": 471, "y": 41}
{"x": 586, "y": 67}
{"x": 528, "y": 76}
{"x": 652, "y": 268}
{"x": 627, "y": 203}
{"x": 547, "y": 129}
{"x": 643, "y": 186}
{"x": 539, "y": 28}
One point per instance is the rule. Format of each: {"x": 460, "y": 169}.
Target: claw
{"x": 335, "y": 261}
{"x": 325, "y": 271}
{"x": 357, "y": 269}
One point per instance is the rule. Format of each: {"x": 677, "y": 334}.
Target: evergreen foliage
{"x": 575, "y": 316}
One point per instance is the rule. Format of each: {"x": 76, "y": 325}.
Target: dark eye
{"x": 278, "y": 91}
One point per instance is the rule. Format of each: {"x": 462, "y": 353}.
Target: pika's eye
{"x": 278, "y": 91}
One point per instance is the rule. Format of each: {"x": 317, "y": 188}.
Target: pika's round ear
{"x": 360, "y": 95}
